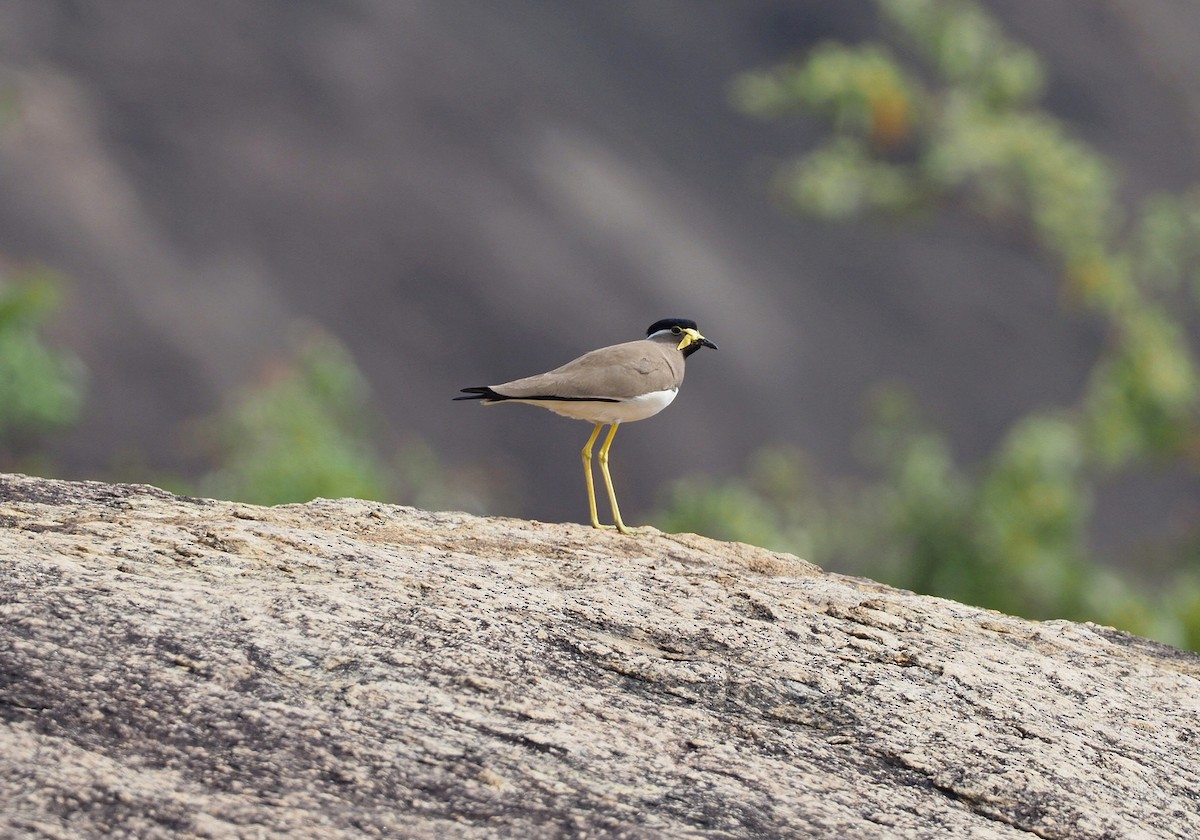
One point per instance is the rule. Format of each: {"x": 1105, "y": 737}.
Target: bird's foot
{"x": 620, "y": 528}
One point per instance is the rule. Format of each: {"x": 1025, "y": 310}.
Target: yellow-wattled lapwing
{"x": 608, "y": 387}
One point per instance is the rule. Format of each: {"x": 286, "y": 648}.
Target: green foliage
{"x": 309, "y": 430}
{"x": 968, "y": 49}
{"x": 301, "y": 434}
{"x": 949, "y": 116}
{"x": 40, "y": 388}
{"x": 773, "y": 506}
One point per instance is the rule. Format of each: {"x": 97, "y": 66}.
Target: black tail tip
{"x": 479, "y": 393}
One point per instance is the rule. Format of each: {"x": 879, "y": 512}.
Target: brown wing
{"x": 617, "y": 372}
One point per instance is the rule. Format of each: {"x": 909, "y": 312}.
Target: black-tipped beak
{"x": 704, "y": 342}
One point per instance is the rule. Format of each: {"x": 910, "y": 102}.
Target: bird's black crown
{"x": 667, "y": 323}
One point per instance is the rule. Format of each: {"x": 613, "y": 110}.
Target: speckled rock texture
{"x": 174, "y": 667}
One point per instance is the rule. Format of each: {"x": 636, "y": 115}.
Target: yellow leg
{"x": 587, "y": 474}
{"x": 612, "y": 496}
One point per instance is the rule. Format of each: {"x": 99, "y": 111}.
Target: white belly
{"x": 626, "y": 411}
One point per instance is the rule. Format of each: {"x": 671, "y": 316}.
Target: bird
{"x": 607, "y": 387}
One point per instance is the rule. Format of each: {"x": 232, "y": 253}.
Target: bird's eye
{"x": 676, "y": 331}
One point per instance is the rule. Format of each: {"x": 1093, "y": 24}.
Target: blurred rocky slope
{"x": 174, "y": 667}
{"x": 468, "y": 192}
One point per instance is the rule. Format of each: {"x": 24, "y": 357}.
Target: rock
{"x": 175, "y": 667}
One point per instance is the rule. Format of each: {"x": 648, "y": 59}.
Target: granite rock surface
{"x": 176, "y": 667}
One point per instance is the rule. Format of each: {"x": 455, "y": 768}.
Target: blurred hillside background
{"x": 949, "y": 251}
